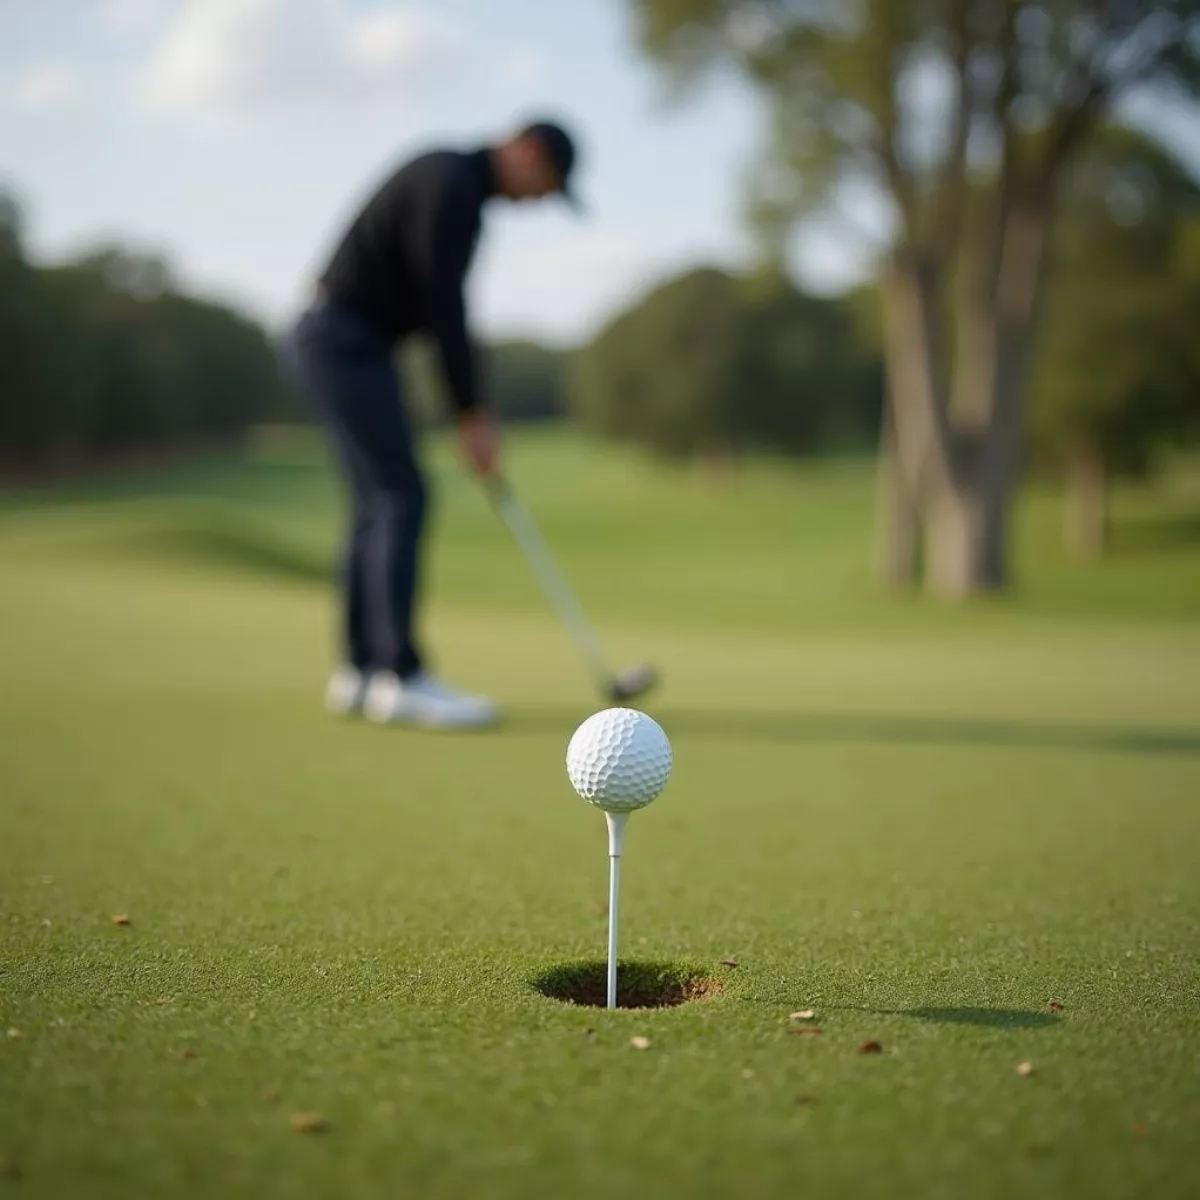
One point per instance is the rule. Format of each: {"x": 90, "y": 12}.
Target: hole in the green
{"x": 639, "y": 984}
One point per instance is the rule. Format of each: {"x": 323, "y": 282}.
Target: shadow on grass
{"x": 226, "y": 542}
{"x": 733, "y": 725}
{"x": 991, "y": 1018}
{"x": 242, "y": 550}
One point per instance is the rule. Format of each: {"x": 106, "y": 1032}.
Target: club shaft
{"x": 558, "y": 591}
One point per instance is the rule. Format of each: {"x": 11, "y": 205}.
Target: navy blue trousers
{"x": 347, "y": 369}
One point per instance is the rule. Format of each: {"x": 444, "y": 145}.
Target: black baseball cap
{"x": 560, "y": 146}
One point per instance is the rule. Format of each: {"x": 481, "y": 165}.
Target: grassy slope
{"x": 926, "y": 825}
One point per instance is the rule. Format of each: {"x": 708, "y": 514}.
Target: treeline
{"x": 707, "y": 364}
{"x": 713, "y": 364}
{"x": 105, "y": 356}
{"x": 524, "y": 382}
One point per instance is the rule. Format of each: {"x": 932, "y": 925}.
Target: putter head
{"x": 634, "y": 682}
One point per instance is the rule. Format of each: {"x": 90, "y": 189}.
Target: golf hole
{"x": 639, "y": 984}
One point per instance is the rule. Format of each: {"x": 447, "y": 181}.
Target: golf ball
{"x": 619, "y": 759}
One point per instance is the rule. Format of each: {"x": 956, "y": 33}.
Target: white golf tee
{"x": 616, "y": 843}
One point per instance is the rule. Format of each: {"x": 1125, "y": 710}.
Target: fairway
{"x": 971, "y": 836}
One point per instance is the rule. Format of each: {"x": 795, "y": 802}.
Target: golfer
{"x": 399, "y": 272}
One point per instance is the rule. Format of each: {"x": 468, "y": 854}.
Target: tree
{"x": 710, "y": 363}
{"x": 523, "y": 381}
{"x": 1119, "y": 372}
{"x": 526, "y": 381}
{"x": 103, "y": 355}
{"x": 665, "y": 372}
{"x": 962, "y": 117}
{"x": 22, "y": 383}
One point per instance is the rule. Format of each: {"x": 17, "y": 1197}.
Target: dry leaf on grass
{"x": 1025, "y": 1069}
{"x": 729, "y": 962}
{"x": 309, "y": 1122}
{"x": 640, "y": 1043}
{"x": 187, "y": 1052}
{"x": 807, "y": 1031}
{"x": 871, "y": 1046}
{"x": 120, "y": 919}
{"x": 805, "y": 1014}
{"x": 1055, "y": 1007}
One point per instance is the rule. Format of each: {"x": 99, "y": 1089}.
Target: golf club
{"x": 617, "y": 687}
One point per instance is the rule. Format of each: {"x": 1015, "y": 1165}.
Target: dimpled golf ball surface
{"x": 619, "y": 759}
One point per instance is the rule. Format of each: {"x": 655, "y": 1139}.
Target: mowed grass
{"x": 933, "y": 827}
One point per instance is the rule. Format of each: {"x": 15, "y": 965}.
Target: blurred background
{"x": 941, "y": 261}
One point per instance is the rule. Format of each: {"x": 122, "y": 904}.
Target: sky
{"x": 237, "y": 136}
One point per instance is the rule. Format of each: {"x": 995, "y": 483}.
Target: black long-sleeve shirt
{"x": 403, "y": 261}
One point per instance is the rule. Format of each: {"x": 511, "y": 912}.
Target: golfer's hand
{"x": 479, "y": 440}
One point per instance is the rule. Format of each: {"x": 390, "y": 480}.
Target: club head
{"x": 634, "y": 682}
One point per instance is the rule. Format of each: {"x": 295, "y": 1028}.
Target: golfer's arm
{"x": 449, "y": 254}
{"x": 459, "y": 365}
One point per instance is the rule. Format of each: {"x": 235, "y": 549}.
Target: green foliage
{"x": 1120, "y": 364}
{"x": 912, "y": 99}
{"x": 22, "y": 329}
{"x": 523, "y": 381}
{"x": 710, "y": 363}
{"x": 104, "y": 355}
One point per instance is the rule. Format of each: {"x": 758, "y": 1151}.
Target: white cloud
{"x": 226, "y": 59}
{"x": 46, "y": 85}
{"x": 397, "y": 40}
{"x": 130, "y": 16}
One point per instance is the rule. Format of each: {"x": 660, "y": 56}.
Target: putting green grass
{"x": 971, "y": 836}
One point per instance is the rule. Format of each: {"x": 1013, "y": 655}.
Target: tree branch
{"x": 948, "y": 227}
{"x": 900, "y": 181}
{"x": 1006, "y": 183}
{"x": 1101, "y": 87}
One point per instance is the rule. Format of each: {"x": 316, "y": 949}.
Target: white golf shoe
{"x": 345, "y": 692}
{"x": 426, "y": 701}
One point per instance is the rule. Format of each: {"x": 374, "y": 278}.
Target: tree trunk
{"x": 960, "y": 461}
{"x": 1086, "y": 526}
{"x": 966, "y": 532}
{"x": 968, "y": 515}
{"x": 898, "y": 522}
{"x": 916, "y": 375}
